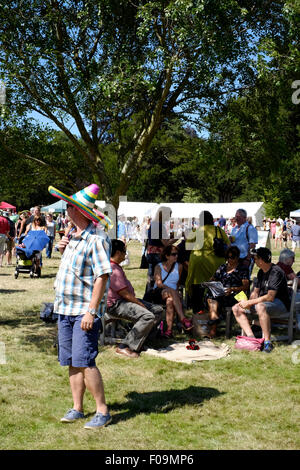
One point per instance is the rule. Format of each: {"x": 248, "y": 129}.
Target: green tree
{"x": 102, "y": 65}
{"x": 26, "y": 177}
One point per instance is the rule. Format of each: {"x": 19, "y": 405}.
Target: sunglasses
{"x": 173, "y": 254}
{"x": 231, "y": 257}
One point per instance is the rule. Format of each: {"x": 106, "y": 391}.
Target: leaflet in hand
{"x": 216, "y": 288}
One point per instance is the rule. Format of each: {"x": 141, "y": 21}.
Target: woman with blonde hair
{"x": 36, "y": 224}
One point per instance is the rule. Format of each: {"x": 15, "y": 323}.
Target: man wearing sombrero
{"x": 79, "y": 287}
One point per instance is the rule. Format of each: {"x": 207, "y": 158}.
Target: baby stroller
{"x": 28, "y": 253}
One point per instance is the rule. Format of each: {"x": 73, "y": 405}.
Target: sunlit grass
{"x": 244, "y": 401}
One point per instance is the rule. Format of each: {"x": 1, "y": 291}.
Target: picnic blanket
{"x": 178, "y": 352}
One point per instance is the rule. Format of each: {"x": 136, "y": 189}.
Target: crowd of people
{"x": 200, "y": 263}
{"x": 284, "y": 233}
{"x": 192, "y": 254}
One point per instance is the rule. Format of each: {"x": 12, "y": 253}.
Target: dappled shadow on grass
{"x": 11, "y": 291}
{"x": 33, "y": 330}
{"x": 162, "y": 401}
{"x": 48, "y": 276}
{"x": 45, "y": 342}
{"x": 24, "y": 319}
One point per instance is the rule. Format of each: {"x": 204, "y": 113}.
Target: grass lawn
{"x": 247, "y": 400}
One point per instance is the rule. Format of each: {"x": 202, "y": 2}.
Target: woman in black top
{"x": 235, "y": 278}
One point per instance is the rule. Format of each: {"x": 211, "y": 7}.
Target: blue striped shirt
{"x": 85, "y": 258}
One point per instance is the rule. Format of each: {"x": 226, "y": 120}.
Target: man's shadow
{"x": 161, "y": 401}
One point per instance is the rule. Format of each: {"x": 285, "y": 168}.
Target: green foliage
{"x": 53, "y": 161}
{"x": 108, "y": 65}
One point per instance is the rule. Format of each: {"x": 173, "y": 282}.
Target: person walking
{"x": 51, "y": 232}
{"x": 295, "y": 232}
{"x": 79, "y": 288}
{"x": 4, "y": 233}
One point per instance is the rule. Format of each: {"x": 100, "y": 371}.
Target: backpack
{"x": 47, "y": 314}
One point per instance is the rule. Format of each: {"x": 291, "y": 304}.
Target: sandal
{"x": 187, "y": 324}
{"x": 167, "y": 334}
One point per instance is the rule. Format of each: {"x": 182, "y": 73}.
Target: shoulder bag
{"x": 219, "y": 245}
{"x": 153, "y": 294}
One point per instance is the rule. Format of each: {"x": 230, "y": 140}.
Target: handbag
{"x": 153, "y": 294}
{"x": 219, "y": 245}
{"x": 250, "y": 344}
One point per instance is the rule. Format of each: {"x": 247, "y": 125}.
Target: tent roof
{"x": 132, "y": 209}
{"x": 227, "y": 209}
{"x": 59, "y": 206}
{"x": 295, "y": 213}
{"x": 6, "y": 205}
{"x": 188, "y": 210}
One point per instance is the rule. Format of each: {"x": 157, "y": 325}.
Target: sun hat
{"x": 84, "y": 200}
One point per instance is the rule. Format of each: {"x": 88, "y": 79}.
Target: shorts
{"x": 9, "y": 245}
{"x": 76, "y": 347}
{"x": 274, "y": 309}
{"x": 2, "y": 243}
{"x": 295, "y": 244}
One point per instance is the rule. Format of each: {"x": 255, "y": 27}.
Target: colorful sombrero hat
{"x": 84, "y": 200}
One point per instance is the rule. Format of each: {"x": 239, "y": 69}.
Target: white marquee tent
{"x": 183, "y": 210}
{"x": 295, "y": 214}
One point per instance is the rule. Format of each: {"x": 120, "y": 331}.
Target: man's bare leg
{"x": 94, "y": 383}
{"x": 264, "y": 321}
{"x": 242, "y": 319}
{"x": 77, "y": 384}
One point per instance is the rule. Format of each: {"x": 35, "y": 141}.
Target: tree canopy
{"x": 118, "y": 70}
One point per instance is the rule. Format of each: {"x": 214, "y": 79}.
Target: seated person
{"x": 123, "y": 304}
{"x": 167, "y": 276}
{"x": 235, "y": 278}
{"x": 270, "y": 297}
{"x": 286, "y": 260}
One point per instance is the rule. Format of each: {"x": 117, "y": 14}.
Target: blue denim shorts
{"x": 274, "y": 309}
{"x": 76, "y": 347}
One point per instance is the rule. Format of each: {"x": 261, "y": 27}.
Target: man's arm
{"x": 126, "y": 295}
{"x": 268, "y": 297}
{"x": 97, "y": 294}
{"x": 292, "y": 276}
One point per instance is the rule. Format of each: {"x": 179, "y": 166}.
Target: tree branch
{"x": 39, "y": 162}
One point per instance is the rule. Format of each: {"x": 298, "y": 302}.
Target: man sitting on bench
{"x": 270, "y": 297}
{"x": 123, "y": 304}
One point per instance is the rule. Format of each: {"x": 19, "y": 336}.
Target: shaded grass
{"x": 245, "y": 401}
